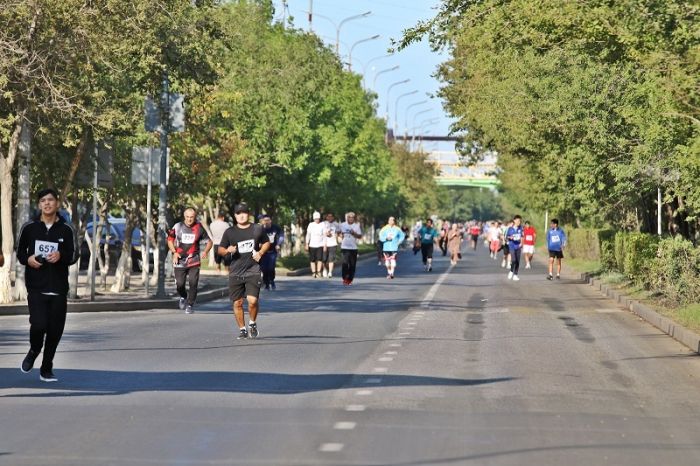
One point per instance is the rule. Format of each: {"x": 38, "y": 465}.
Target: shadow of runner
{"x": 80, "y": 382}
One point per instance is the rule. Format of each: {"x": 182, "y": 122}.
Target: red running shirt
{"x": 529, "y": 236}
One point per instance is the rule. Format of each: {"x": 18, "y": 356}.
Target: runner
{"x": 275, "y": 235}
{"x": 244, "y": 244}
{"x": 556, "y": 241}
{"x": 495, "y": 239}
{"x": 350, "y": 232}
{"x": 505, "y": 263}
{"x": 428, "y": 237}
{"x": 514, "y": 237}
{"x": 46, "y": 248}
{"x": 529, "y": 237}
{"x": 314, "y": 244}
{"x": 330, "y": 232}
{"x": 392, "y": 237}
{"x": 183, "y": 242}
{"x": 218, "y": 227}
{"x": 444, "y": 228}
{"x": 474, "y": 232}
{"x": 454, "y": 243}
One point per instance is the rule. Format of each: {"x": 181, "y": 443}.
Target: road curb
{"x": 666, "y": 325}
{"x": 121, "y": 306}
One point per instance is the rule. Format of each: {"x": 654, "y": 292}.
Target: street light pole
{"x": 396, "y": 108}
{"x": 350, "y": 18}
{"x": 405, "y": 126}
{"x": 163, "y": 191}
{"x": 388, "y": 93}
{"x": 387, "y": 70}
{"x": 372, "y": 60}
{"x": 374, "y": 37}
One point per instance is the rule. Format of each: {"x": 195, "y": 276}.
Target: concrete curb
{"x": 120, "y": 306}
{"x": 666, "y": 325}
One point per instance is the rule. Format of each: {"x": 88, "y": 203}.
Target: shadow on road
{"x": 79, "y": 382}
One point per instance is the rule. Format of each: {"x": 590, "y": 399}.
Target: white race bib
{"x": 555, "y": 239}
{"x": 44, "y": 248}
{"x": 428, "y": 236}
{"x": 187, "y": 238}
{"x": 271, "y": 237}
{"x": 516, "y": 237}
{"x": 528, "y": 237}
{"x": 246, "y": 246}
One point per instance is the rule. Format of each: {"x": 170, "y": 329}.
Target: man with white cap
{"x": 315, "y": 240}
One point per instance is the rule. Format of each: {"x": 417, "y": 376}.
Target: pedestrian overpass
{"x": 454, "y": 172}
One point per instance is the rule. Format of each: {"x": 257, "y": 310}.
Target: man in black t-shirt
{"x": 242, "y": 247}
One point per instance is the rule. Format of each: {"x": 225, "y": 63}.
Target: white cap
{"x": 316, "y": 215}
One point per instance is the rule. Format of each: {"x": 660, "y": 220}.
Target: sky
{"x": 417, "y": 63}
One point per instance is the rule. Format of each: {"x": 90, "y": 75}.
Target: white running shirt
{"x": 314, "y": 235}
{"x": 349, "y": 241}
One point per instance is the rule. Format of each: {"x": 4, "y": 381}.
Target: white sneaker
{"x": 503, "y": 263}
{"x": 330, "y": 275}
{"x": 325, "y": 274}
{"x": 510, "y": 275}
{"x": 515, "y": 278}
{"x": 182, "y": 303}
{"x": 508, "y": 266}
{"x": 527, "y": 266}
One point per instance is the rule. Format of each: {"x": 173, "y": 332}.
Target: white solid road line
{"x": 344, "y": 425}
{"x": 433, "y": 289}
{"x": 331, "y": 447}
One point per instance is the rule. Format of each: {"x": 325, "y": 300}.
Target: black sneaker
{"x": 253, "y": 330}
{"x": 243, "y": 334}
{"x": 558, "y": 277}
{"x": 46, "y": 375}
{"x": 28, "y": 362}
{"x": 267, "y": 286}
{"x": 274, "y": 287}
{"x": 549, "y": 277}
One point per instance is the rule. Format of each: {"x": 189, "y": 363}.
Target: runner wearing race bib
{"x": 183, "y": 242}
{"x": 428, "y": 237}
{"x": 275, "y": 235}
{"x": 514, "y": 236}
{"x": 529, "y": 238}
{"x": 556, "y": 240}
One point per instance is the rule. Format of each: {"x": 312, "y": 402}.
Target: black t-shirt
{"x": 246, "y": 241}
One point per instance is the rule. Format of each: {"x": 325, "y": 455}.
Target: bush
{"x": 675, "y": 271}
{"x": 639, "y": 253}
{"x": 587, "y": 243}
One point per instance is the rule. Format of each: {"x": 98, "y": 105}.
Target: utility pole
{"x": 311, "y": 15}
{"x": 163, "y": 191}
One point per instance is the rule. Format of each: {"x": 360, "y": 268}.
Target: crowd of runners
{"x": 249, "y": 250}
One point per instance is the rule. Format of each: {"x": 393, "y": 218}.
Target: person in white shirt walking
{"x": 330, "y": 236}
{"x": 315, "y": 241}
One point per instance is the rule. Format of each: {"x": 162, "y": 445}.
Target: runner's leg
{"x": 193, "y": 273}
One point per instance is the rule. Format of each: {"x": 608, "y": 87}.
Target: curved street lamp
{"x": 349, "y": 18}
{"x": 422, "y": 112}
{"x": 396, "y": 107}
{"x": 387, "y": 70}
{"x": 416, "y": 104}
{"x": 388, "y": 93}
{"x": 372, "y": 60}
{"x": 374, "y": 37}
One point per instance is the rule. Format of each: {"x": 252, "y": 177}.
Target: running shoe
{"x": 324, "y": 273}
{"x": 28, "y": 362}
{"x": 549, "y": 277}
{"x": 243, "y": 334}
{"x": 510, "y": 275}
{"x": 503, "y": 263}
{"x": 188, "y": 309}
{"x": 267, "y": 286}
{"x": 516, "y": 278}
{"x": 274, "y": 287}
{"x": 558, "y": 277}
{"x": 182, "y": 303}
{"x": 430, "y": 268}
{"x": 253, "y": 330}
{"x": 46, "y": 375}
{"x": 527, "y": 266}
{"x": 391, "y": 276}
{"x": 330, "y": 275}
{"x": 380, "y": 263}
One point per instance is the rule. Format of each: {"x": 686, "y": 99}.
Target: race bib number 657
{"x": 44, "y": 248}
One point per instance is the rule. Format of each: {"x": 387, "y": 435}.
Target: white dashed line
{"x": 380, "y": 370}
{"x": 363, "y": 392}
{"x": 391, "y": 353}
{"x": 395, "y": 345}
{"x": 404, "y": 334}
{"x": 374, "y": 380}
{"x": 355, "y": 408}
{"x": 344, "y": 425}
{"x": 385, "y": 359}
{"x": 331, "y": 447}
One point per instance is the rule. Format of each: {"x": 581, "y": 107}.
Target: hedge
{"x": 587, "y": 243}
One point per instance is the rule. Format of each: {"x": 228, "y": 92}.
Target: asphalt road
{"x": 457, "y": 366}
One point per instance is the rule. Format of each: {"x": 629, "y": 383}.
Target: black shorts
{"x": 329, "y": 254}
{"x": 217, "y": 258}
{"x": 389, "y": 255}
{"x": 315, "y": 254}
{"x": 556, "y": 254}
{"x": 241, "y": 287}
{"x": 506, "y": 250}
{"x": 475, "y": 238}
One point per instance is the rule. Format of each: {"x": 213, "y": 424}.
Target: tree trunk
{"x": 7, "y": 162}
{"x": 74, "y": 270}
{"x": 24, "y": 207}
{"x": 123, "y": 272}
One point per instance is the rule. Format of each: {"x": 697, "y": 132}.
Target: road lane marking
{"x": 364, "y": 392}
{"x": 324, "y": 308}
{"x": 355, "y": 408}
{"x": 374, "y": 380}
{"x": 404, "y": 334}
{"x": 385, "y": 359}
{"x": 344, "y": 425}
{"x": 331, "y": 447}
{"x": 391, "y": 353}
{"x": 380, "y": 370}
{"x": 395, "y": 345}
{"x": 434, "y": 289}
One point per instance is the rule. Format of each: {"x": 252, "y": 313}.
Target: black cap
{"x": 241, "y": 208}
